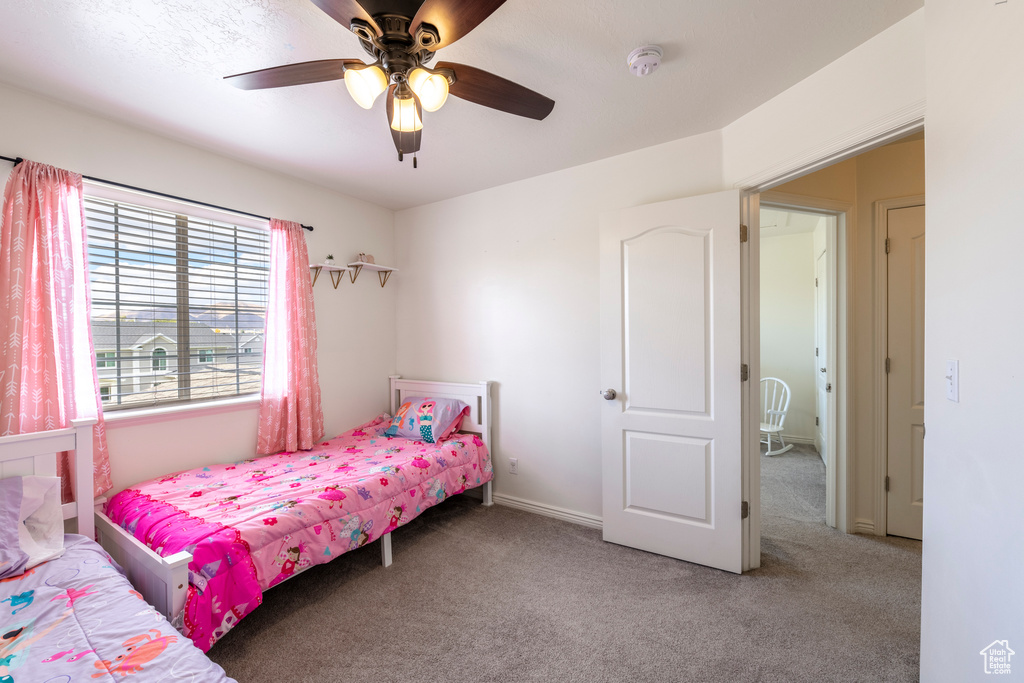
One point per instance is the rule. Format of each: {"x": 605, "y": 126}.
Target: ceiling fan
{"x": 402, "y": 43}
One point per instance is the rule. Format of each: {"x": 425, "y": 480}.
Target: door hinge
{"x": 828, "y": 388}
{"x": 744, "y": 510}
{"x": 815, "y": 351}
{"x": 887, "y": 483}
{"x": 815, "y": 282}
{"x": 887, "y": 243}
{"x": 888, "y": 365}
{"x": 816, "y": 423}
{"x": 744, "y": 373}
{"x": 744, "y": 233}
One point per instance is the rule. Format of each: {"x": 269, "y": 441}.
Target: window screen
{"x": 178, "y": 304}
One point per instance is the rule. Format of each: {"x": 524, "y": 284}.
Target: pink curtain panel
{"x": 291, "y": 417}
{"x": 48, "y": 374}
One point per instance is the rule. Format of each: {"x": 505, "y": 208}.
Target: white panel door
{"x": 821, "y": 346}
{"x": 670, "y": 349}
{"x": 905, "y": 500}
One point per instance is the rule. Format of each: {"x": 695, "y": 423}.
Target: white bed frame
{"x": 36, "y": 454}
{"x": 163, "y": 581}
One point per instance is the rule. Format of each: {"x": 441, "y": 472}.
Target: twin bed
{"x": 75, "y": 617}
{"x": 201, "y": 546}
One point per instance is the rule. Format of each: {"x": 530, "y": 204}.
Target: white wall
{"x": 974, "y": 470}
{"x": 502, "y": 285}
{"x": 787, "y": 325}
{"x": 356, "y": 323}
{"x": 876, "y": 83}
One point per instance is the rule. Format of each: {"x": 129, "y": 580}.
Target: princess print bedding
{"x": 253, "y": 524}
{"x": 77, "y": 619}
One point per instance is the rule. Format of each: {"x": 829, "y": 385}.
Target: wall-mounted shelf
{"x": 383, "y": 272}
{"x": 335, "y": 271}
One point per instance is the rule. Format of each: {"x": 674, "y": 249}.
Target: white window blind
{"x": 178, "y": 304}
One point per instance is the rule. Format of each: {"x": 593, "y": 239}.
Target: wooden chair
{"x": 774, "y": 404}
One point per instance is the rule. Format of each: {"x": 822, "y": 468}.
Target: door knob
{"x": 823, "y": 369}
{"x": 609, "y": 394}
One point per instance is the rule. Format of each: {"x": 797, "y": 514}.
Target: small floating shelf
{"x": 383, "y": 272}
{"x": 335, "y": 272}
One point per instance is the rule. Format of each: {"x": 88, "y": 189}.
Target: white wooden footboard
{"x": 163, "y": 581}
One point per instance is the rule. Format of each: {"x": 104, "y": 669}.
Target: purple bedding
{"x": 77, "y": 619}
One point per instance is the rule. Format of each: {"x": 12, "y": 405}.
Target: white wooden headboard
{"x": 36, "y": 454}
{"x": 476, "y": 396}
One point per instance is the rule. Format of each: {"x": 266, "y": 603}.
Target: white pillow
{"x": 33, "y": 504}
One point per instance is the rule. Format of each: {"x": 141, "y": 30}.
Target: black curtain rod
{"x": 18, "y": 160}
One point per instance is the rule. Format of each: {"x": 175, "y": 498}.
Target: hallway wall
{"x": 787, "y": 325}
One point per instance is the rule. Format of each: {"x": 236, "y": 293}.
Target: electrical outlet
{"x": 513, "y": 465}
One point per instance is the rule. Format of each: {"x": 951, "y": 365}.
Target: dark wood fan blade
{"x": 405, "y": 143}
{"x": 344, "y": 11}
{"x": 292, "y": 74}
{"x": 477, "y": 85}
{"x": 453, "y": 18}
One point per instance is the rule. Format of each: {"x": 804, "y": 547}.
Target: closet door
{"x": 905, "y": 380}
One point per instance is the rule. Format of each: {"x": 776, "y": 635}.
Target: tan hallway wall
{"x": 787, "y": 325}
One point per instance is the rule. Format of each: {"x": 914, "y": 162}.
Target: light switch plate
{"x": 953, "y": 380}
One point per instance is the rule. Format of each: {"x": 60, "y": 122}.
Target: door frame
{"x": 881, "y": 459}
{"x": 843, "y": 214}
{"x": 880, "y": 132}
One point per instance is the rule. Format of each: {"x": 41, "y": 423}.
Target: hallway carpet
{"x": 496, "y": 594}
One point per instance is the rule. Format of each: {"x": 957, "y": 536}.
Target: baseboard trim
{"x": 580, "y": 518}
{"x": 803, "y": 440}
{"x": 864, "y": 526}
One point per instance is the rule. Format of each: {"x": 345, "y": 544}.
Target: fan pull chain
{"x": 414, "y": 161}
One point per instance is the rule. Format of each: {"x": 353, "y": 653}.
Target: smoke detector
{"x": 645, "y": 60}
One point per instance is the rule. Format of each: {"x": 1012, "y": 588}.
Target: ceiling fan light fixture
{"x": 365, "y": 83}
{"x": 430, "y": 88}
{"x": 405, "y": 117}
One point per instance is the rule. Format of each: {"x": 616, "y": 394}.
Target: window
{"x": 176, "y": 296}
{"x": 104, "y": 394}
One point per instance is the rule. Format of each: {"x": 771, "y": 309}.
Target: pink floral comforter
{"x": 252, "y": 524}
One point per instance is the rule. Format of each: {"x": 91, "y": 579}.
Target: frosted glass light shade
{"x": 405, "y": 117}
{"x": 365, "y": 84}
{"x": 432, "y": 89}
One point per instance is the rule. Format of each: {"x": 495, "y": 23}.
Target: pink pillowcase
{"x": 428, "y": 419}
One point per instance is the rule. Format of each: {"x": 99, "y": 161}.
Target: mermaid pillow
{"x": 428, "y": 419}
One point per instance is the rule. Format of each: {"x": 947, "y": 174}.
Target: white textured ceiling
{"x": 158, "y": 64}
{"x": 779, "y": 222}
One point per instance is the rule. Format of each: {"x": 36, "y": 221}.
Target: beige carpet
{"x": 495, "y": 594}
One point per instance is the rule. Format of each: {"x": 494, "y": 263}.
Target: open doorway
{"x": 870, "y": 451}
{"x": 798, "y": 357}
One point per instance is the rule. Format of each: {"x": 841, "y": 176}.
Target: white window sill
{"x": 173, "y": 412}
